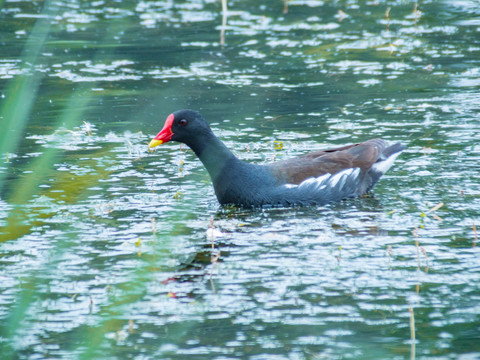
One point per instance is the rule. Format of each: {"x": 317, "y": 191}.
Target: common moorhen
{"x": 315, "y": 178}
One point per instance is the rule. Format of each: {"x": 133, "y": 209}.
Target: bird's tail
{"x": 386, "y": 159}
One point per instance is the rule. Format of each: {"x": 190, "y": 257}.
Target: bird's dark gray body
{"x": 316, "y": 178}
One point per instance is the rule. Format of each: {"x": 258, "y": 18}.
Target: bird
{"x": 315, "y": 178}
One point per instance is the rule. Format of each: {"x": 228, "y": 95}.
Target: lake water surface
{"x": 104, "y": 250}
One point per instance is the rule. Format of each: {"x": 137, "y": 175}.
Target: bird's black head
{"x": 182, "y": 126}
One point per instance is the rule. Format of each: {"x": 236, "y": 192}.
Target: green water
{"x": 104, "y": 252}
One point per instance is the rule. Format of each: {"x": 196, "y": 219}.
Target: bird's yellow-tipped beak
{"x": 165, "y": 135}
{"x": 155, "y": 143}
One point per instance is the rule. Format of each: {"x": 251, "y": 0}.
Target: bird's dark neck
{"x": 234, "y": 181}
{"x": 214, "y": 155}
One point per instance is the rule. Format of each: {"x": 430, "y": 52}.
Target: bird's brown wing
{"x": 332, "y": 161}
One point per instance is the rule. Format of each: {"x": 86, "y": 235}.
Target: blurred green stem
{"x": 22, "y": 90}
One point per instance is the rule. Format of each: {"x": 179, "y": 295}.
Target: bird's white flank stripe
{"x": 327, "y": 180}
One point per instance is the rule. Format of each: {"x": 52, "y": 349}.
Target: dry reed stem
{"x": 387, "y": 17}
{"x": 415, "y": 234}
{"x": 213, "y": 258}
{"x": 417, "y": 13}
{"x": 476, "y": 234}
{"x": 412, "y": 333}
{"x": 412, "y": 324}
{"x": 154, "y": 226}
{"x": 224, "y": 22}
{"x": 436, "y": 207}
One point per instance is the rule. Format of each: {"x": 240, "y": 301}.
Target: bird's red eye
{"x": 182, "y": 122}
